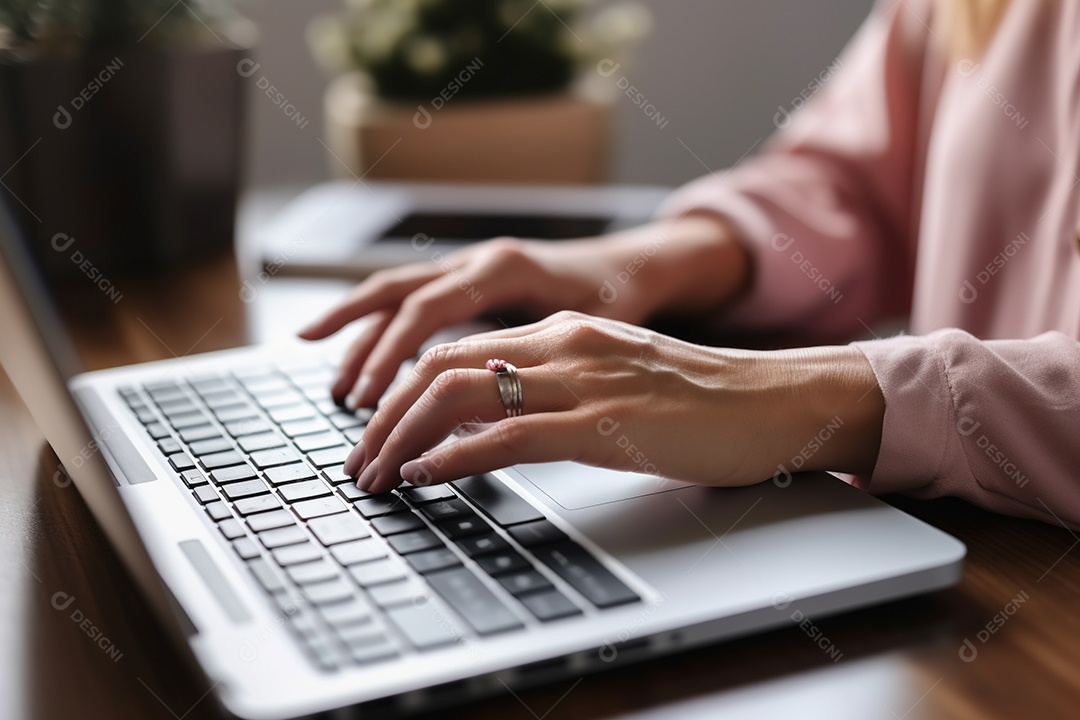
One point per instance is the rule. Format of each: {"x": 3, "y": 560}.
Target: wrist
{"x": 836, "y": 409}
{"x": 692, "y": 263}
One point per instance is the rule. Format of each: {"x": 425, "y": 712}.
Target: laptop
{"x": 218, "y": 480}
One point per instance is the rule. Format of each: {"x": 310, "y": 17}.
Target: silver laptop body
{"x": 643, "y": 566}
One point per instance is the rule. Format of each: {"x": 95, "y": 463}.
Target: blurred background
{"x": 716, "y": 71}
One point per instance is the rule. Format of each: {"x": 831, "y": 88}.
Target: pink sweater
{"x": 914, "y": 183}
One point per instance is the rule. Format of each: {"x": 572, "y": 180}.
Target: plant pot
{"x": 561, "y": 139}
{"x": 129, "y": 159}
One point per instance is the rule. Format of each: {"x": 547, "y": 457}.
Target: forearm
{"x": 688, "y": 264}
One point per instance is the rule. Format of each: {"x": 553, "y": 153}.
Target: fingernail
{"x": 355, "y": 460}
{"x": 368, "y": 476}
{"x": 415, "y": 472}
{"x": 356, "y": 397}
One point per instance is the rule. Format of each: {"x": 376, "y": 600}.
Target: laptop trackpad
{"x": 573, "y": 486}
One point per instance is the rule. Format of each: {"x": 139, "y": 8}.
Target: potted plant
{"x": 487, "y": 91}
{"x": 121, "y": 132}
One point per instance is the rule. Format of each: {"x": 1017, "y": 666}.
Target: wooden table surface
{"x": 905, "y": 660}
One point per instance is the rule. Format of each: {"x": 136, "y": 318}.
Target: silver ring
{"x": 509, "y": 386}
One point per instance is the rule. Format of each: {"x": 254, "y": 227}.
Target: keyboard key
{"x": 522, "y": 583}
{"x": 304, "y": 490}
{"x": 266, "y": 575}
{"x": 376, "y": 649}
{"x": 398, "y": 593}
{"x": 293, "y": 554}
{"x": 319, "y": 441}
{"x": 217, "y": 510}
{"x": 270, "y": 520}
{"x": 222, "y": 400}
{"x": 203, "y": 432}
{"x": 464, "y": 592}
{"x": 397, "y": 523}
{"x": 421, "y": 495}
{"x": 307, "y": 426}
{"x": 353, "y": 435}
{"x": 234, "y": 473}
{"x": 340, "y": 528}
{"x": 446, "y": 510}
{"x": 318, "y": 507}
{"x": 158, "y": 431}
{"x": 346, "y": 614}
{"x": 206, "y": 494}
{"x": 336, "y": 474}
{"x": 291, "y": 413}
{"x": 280, "y": 537}
{"x": 377, "y": 572}
{"x": 169, "y": 445}
{"x": 585, "y": 574}
{"x": 233, "y": 413}
{"x": 344, "y": 421}
{"x": 244, "y": 489}
{"x": 246, "y": 548}
{"x": 432, "y": 560}
{"x": 465, "y": 526}
{"x": 414, "y": 541}
{"x": 351, "y": 492}
{"x": 283, "y": 474}
{"x": 181, "y": 462}
{"x": 232, "y": 529}
{"x": 375, "y": 505}
{"x": 257, "y": 504}
{"x": 250, "y": 426}
{"x": 498, "y": 501}
{"x": 503, "y": 562}
{"x": 210, "y": 446}
{"x": 221, "y": 459}
{"x": 329, "y": 456}
{"x": 312, "y": 572}
{"x": 482, "y": 545}
{"x": 193, "y": 478}
{"x": 538, "y": 533}
{"x": 186, "y": 420}
{"x": 331, "y": 591}
{"x": 424, "y": 626}
{"x": 278, "y": 456}
{"x": 262, "y": 441}
{"x": 283, "y": 398}
{"x": 359, "y": 551}
{"x": 549, "y": 605}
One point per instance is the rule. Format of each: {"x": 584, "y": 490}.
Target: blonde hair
{"x": 970, "y": 24}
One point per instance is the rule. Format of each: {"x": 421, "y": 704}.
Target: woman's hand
{"x": 608, "y": 394}
{"x": 690, "y": 263}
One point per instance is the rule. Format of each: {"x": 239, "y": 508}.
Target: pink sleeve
{"x": 995, "y": 422}
{"x": 826, "y": 210}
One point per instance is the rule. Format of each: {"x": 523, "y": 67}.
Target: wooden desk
{"x": 898, "y": 661}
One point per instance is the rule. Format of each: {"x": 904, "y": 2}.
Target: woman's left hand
{"x": 609, "y": 394}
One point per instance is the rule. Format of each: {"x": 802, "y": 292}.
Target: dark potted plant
{"x": 489, "y": 90}
{"x": 120, "y": 139}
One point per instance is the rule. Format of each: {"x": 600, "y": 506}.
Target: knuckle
{"x": 507, "y": 252}
{"x": 448, "y": 384}
{"x": 510, "y": 437}
{"x": 435, "y": 359}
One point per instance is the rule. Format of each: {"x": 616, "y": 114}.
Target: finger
{"x": 435, "y": 361}
{"x": 508, "y": 333}
{"x": 457, "y": 397}
{"x": 358, "y": 353}
{"x": 528, "y": 439}
{"x": 382, "y": 289}
{"x": 438, "y": 304}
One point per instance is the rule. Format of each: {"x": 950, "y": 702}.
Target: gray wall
{"x": 715, "y": 71}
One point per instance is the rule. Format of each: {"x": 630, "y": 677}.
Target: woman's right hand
{"x": 627, "y": 276}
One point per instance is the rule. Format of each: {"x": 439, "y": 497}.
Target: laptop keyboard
{"x": 354, "y": 573}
